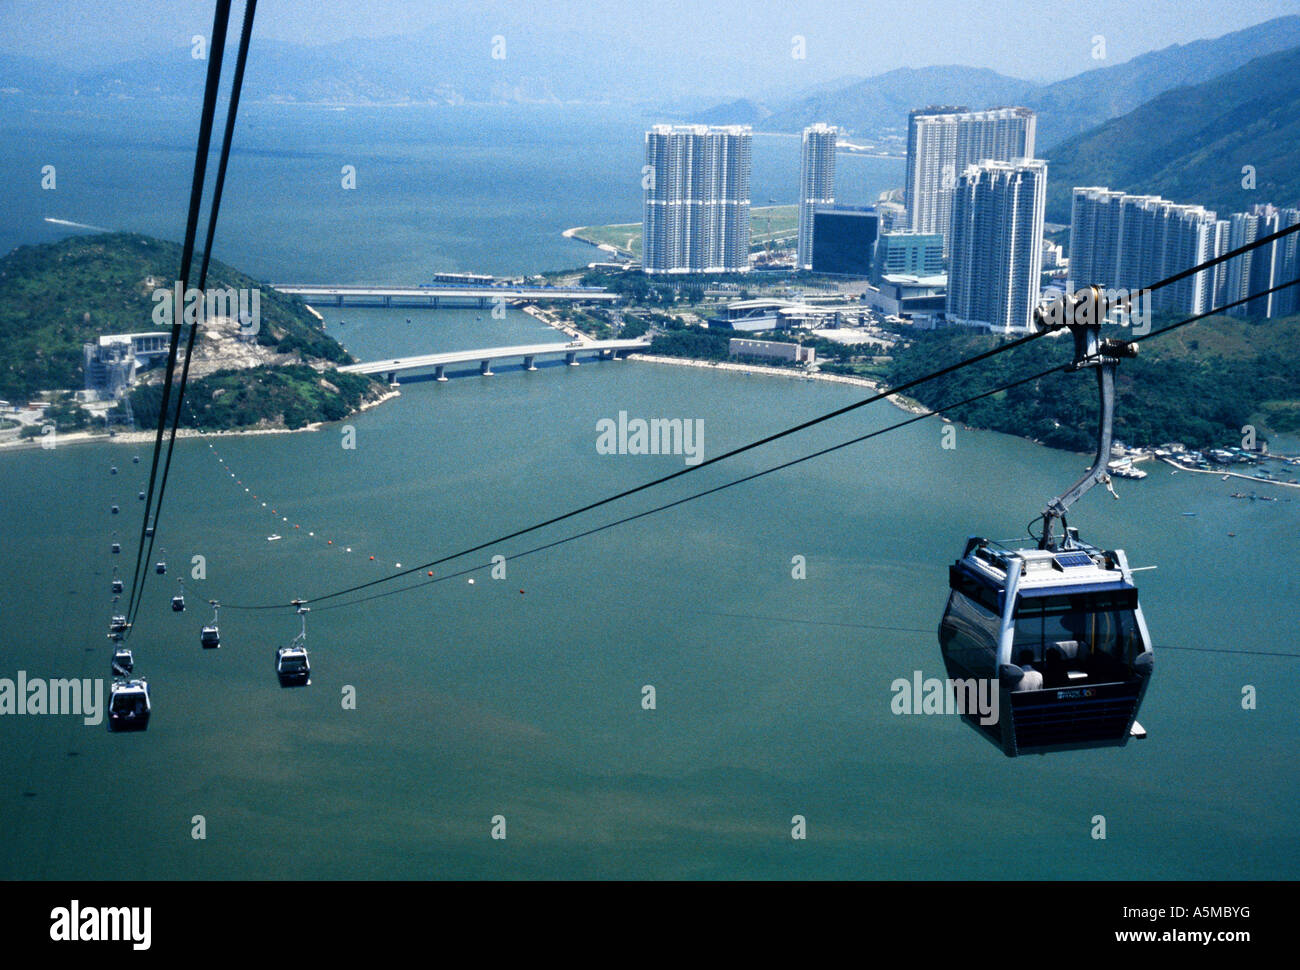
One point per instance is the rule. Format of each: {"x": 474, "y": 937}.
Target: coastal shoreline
{"x": 148, "y": 437}
{"x": 898, "y": 400}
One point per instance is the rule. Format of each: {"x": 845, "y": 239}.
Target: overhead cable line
{"x": 907, "y": 385}
{"x": 232, "y": 109}
{"x": 718, "y": 488}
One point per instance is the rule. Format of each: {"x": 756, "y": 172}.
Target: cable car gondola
{"x": 1056, "y": 625}
{"x": 210, "y": 635}
{"x": 178, "y": 601}
{"x": 129, "y": 705}
{"x": 292, "y": 665}
{"x": 113, "y": 470}
{"x": 115, "y": 510}
{"x": 116, "y": 547}
{"x": 123, "y": 662}
{"x": 118, "y": 624}
{"x": 117, "y": 582}
{"x": 160, "y": 567}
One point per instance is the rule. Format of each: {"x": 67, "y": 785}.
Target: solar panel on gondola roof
{"x": 1070, "y": 560}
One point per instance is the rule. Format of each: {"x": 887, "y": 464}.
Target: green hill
{"x": 1191, "y": 144}
{"x": 1069, "y": 107}
{"x": 56, "y": 297}
{"x": 1199, "y": 384}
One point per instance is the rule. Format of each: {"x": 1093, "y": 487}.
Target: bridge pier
{"x": 528, "y": 364}
{"x": 569, "y": 359}
{"x": 392, "y": 377}
{"x": 388, "y": 301}
{"x": 485, "y": 368}
{"x": 439, "y": 375}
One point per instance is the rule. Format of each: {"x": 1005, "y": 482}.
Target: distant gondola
{"x": 178, "y": 603}
{"x": 292, "y": 665}
{"x": 210, "y": 635}
{"x": 129, "y": 706}
{"x": 123, "y": 662}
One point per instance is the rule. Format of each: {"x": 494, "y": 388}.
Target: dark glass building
{"x": 844, "y": 240}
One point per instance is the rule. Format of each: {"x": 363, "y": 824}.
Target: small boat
{"x": 1189, "y": 514}
{"x": 272, "y": 538}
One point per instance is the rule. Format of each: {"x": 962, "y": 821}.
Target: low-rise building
{"x": 772, "y": 349}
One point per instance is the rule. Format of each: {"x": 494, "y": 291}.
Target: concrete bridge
{"x": 440, "y": 294}
{"x": 527, "y": 354}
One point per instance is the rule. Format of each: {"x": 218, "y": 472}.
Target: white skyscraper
{"x": 816, "y": 184}
{"x": 1264, "y": 267}
{"x": 696, "y": 199}
{"x": 942, "y": 142}
{"x": 1131, "y": 241}
{"x": 996, "y": 244}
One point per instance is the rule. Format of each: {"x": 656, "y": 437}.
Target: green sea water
{"x": 521, "y": 698}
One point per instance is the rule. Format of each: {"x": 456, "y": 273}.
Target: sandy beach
{"x": 898, "y": 400}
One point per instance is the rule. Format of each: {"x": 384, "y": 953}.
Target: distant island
{"x": 62, "y": 304}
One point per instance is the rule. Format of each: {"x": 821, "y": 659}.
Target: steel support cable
{"x": 907, "y": 385}
{"x": 213, "y": 213}
{"x": 215, "y": 49}
{"x": 759, "y": 474}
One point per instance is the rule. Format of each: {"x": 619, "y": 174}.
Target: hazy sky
{"x": 842, "y": 38}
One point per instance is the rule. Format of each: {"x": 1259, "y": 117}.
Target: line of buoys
{"x": 274, "y": 510}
